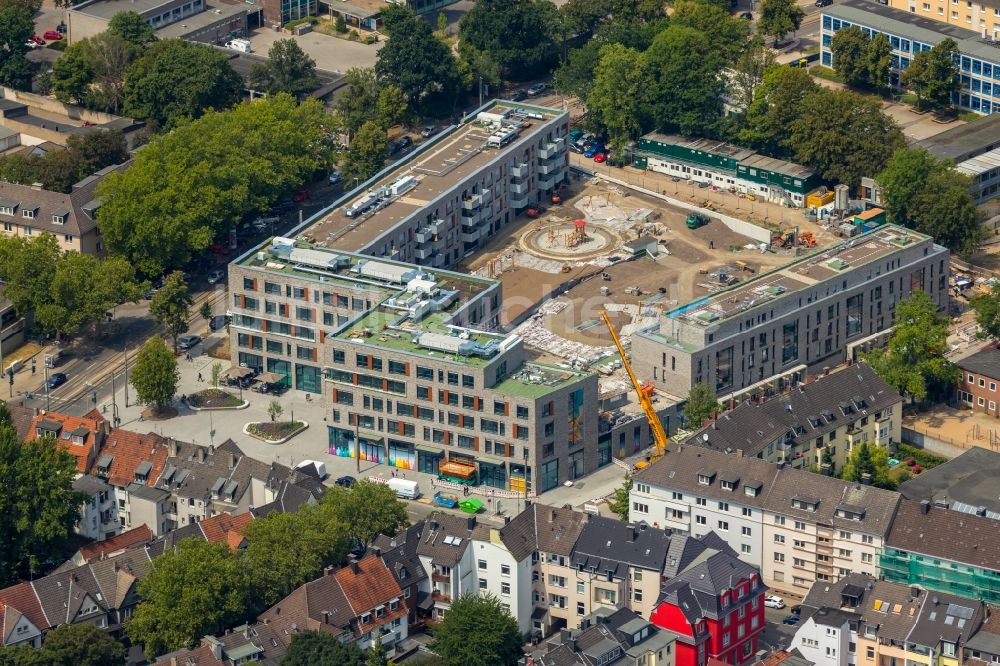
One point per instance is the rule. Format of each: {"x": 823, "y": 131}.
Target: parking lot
{"x": 330, "y": 53}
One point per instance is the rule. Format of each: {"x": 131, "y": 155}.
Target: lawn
{"x": 274, "y": 431}
{"x": 213, "y": 399}
{"x": 821, "y": 72}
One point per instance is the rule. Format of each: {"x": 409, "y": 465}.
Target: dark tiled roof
{"x": 985, "y": 362}
{"x": 697, "y": 589}
{"x": 21, "y": 418}
{"x": 445, "y": 537}
{"x": 611, "y": 545}
{"x": 544, "y": 528}
{"x": 90, "y": 485}
{"x": 751, "y": 427}
{"x": 399, "y": 552}
{"x": 949, "y": 535}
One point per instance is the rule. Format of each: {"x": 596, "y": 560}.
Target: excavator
{"x": 644, "y": 393}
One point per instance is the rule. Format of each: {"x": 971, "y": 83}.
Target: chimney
{"x": 635, "y": 533}
{"x": 352, "y": 561}
{"x": 172, "y": 447}
{"x": 211, "y": 449}
{"x": 216, "y": 647}
{"x": 565, "y": 635}
{"x": 232, "y": 460}
{"x": 376, "y": 551}
{"x": 117, "y": 566}
{"x": 328, "y": 570}
{"x": 470, "y": 523}
{"x": 925, "y": 506}
{"x": 506, "y": 520}
{"x": 326, "y": 617}
{"x": 552, "y": 516}
{"x": 201, "y": 454}
{"x": 173, "y": 661}
{"x": 715, "y": 420}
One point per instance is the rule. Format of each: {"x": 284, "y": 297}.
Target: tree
{"x": 16, "y": 28}
{"x": 205, "y": 311}
{"x": 368, "y": 509}
{"x": 575, "y": 75}
{"x": 216, "y": 374}
{"x": 197, "y": 588}
{"x": 850, "y": 55}
{"x": 779, "y": 17}
{"x": 133, "y": 28}
{"x": 92, "y": 71}
{"x": 155, "y": 374}
{"x": 843, "y": 135}
{"x": 477, "y": 631}
{"x": 913, "y": 361}
{"x": 174, "y": 79}
{"x": 776, "y": 103}
{"x": 702, "y": 403}
{"x": 987, "y": 307}
{"x": 375, "y": 655}
{"x": 27, "y": 267}
{"x": 946, "y": 210}
{"x": 340, "y": 25}
{"x": 904, "y": 176}
{"x": 31, "y": 6}
{"x": 98, "y": 148}
{"x": 619, "y": 502}
{"x": 582, "y": 17}
{"x": 286, "y": 550}
{"x": 367, "y": 153}
{"x": 58, "y": 170}
{"x": 516, "y": 34}
{"x": 171, "y": 306}
{"x": 72, "y": 73}
{"x": 748, "y": 73}
{"x": 442, "y": 23}
{"x": 618, "y": 99}
{"x": 391, "y": 107}
{"x": 933, "y": 76}
{"x": 867, "y": 460}
{"x": 686, "y": 68}
{"x": 879, "y": 61}
{"x": 312, "y": 648}
{"x": 288, "y": 69}
{"x": 39, "y": 505}
{"x": 195, "y": 183}
{"x": 274, "y": 410}
{"x": 417, "y": 63}
{"x": 354, "y": 107}
{"x": 727, "y": 33}
{"x": 82, "y": 645}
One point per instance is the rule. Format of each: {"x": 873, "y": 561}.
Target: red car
{"x": 600, "y": 157}
{"x": 38, "y": 40}
{"x": 300, "y": 196}
{"x": 53, "y": 35}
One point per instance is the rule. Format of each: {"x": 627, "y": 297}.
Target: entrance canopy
{"x": 239, "y": 373}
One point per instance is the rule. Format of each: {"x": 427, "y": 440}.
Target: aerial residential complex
{"x": 457, "y": 191}
{"x": 797, "y": 319}
{"x": 726, "y": 166}
{"x": 910, "y": 33}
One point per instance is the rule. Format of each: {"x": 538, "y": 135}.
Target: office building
{"x": 191, "y": 20}
{"x": 794, "y": 320}
{"x": 910, "y": 33}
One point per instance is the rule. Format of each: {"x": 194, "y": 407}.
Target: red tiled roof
{"x": 128, "y": 450}
{"x": 373, "y": 585}
{"x": 22, "y": 597}
{"x": 225, "y": 527}
{"x": 82, "y": 452}
{"x": 200, "y": 656}
{"x": 137, "y": 535}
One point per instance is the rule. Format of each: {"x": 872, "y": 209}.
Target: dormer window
{"x": 394, "y": 605}
{"x": 728, "y": 485}
{"x": 8, "y": 206}
{"x": 366, "y": 618}
{"x": 380, "y": 611}
{"x": 706, "y": 478}
{"x": 28, "y": 213}
{"x": 752, "y": 489}
{"x": 60, "y": 215}
{"x": 805, "y": 503}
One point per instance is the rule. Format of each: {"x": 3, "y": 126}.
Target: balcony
{"x": 550, "y": 150}
{"x": 471, "y": 236}
{"x": 424, "y": 253}
{"x": 437, "y": 595}
{"x": 425, "y": 235}
{"x": 548, "y": 183}
{"x": 471, "y": 217}
{"x": 518, "y": 188}
{"x": 473, "y": 202}
{"x": 518, "y": 202}
{"x": 520, "y": 171}
{"x": 551, "y": 168}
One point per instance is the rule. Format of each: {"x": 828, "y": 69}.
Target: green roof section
{"x": 535, "y": 380}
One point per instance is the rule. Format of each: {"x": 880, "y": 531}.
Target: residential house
{"x": 827, "y": 637}
{"x": 80, "y": 436}
{"x": 610, "y": 638}
{"x": 243, "y": 645}
{"x": 21, "y": 418}
{"x": 943, "y": 550}
{"x": 94, "y": 517}
{"x": 983, "y": 648}
{"x": 977, "y": 385}
{"x": 715, "y": 606}
{"x": 357, "y": 603}
{"x": 446, "y": 554}
{"x": 100, "y": 550}
{"x": 399, "y": 553}
{"x": 795, "y": 525}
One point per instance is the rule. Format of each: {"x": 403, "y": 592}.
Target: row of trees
{"x": 16, "y": 28}
{"x": 201, "y": 588}
{"x": 58, "y": 170}
{"x": 68, "y": 645}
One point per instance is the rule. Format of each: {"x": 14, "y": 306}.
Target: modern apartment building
{"x": 456, "y": 192}
{"x": 794, "y": 320}
{"x": 815, "y": 424}
{"x": 917, "y": 26}
{"x": 414, "y": 377}
{"x": 796, "y": 526}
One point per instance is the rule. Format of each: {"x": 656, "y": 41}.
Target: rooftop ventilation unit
{"x": 317, "y": 259}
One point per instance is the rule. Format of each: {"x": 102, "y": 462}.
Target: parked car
{"x": 53, "y": 35}
{"x": 186, "y": 342}
{"x": 301, "y": 196}
{"x": 215, "y": 276}
{"x": 31, "y": 44}
{"x": 218, "y": 321}
{"x": 575, "y": 147}
{"x": 405, "y": 142}
{"x": 747, "y": 15}
{"x": 334, "y": 177}
{"x": 537, "y": 89}
{"x": 824, "y": 3}
{"x": 56, "y": 379}
{"x": 593, "y": 150}
{"x": 428, "y": 131}
{"x": 345, "y": 481}
{"x": 575, "y": 134}
{"x": 791, "y": 620}
{"x": 38, "y": 40}
{"x": 265, "y": 221}
{"x": 149, "y": 294}
{"x": 796, "y": 610}
{"x": 600, "y": 158}
{"x": 773, "y": 601}
{"x": 517, "y": 96}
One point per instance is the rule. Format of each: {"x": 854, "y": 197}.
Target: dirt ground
{"x": 960, "y": 427}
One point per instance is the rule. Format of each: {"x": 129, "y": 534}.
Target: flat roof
{"x": 745, "y": 156}
{"x": 446, "y": 160}
{"x": 534, "y": 380}
{"x": 804, "y": 272}
{"x": 106, "y": 9}
{"x": 970, "y": 481}
{"x": 911, "y": 26}
{"x": 980, "y": 163}
{"x": 958, "y": 143}
{"x": 213, "y": 14}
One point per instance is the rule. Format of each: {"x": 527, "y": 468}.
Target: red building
{"x": 717, "y": 609}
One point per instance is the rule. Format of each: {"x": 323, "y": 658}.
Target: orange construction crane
{"x": 660, "y": 439}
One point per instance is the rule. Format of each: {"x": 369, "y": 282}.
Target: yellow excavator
{"x": 660, "y": 439}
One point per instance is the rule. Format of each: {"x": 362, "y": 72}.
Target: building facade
{"x": 194, "y": 20}
{"x": 795, "y": 320}
{"x": 911, "y": 32}
{"x": 977, "y": 387}
{"x": 727, "y": 167}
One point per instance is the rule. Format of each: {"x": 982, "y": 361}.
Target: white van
{"x": 405, "y": 488}
{"x": 241, "y": 45}
{"x": 320, "y": 467}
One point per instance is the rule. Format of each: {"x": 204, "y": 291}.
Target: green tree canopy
{"x": 194, "y": 184}
{"x": 171, "y": 305}
{"x": 987, "y": 307}
{"x": 312, "y": 648}
{"x": 367, "y": 153}
{"x": 417, "y": 63}
{"x": 91, "y": 71}
{"x": 367, "y": 509}
{"x": 946, "y": 210}
{"x": 73, "y": 73}
{"x": 287, "y": 69}
{"x": 39, "y": 505}
{"x": 687, "y": 84}
{"x": 879, "y": 55}
{"x": 933, "y": 76}
{"x": 748, "y": 73}
{"x": 904, "y": 175}
{"x": 16, "y": 27}
{"x": 575, "y": 76}
{"x": 843, "y": 135}
{"x": 82, "y": 645}
{"x": 913, "y": 362}
{"x": 197, "y": 588}
{"x": 873, "y": 461}
{"x": 155, "y": 374}
{"x": 174, "y": 79}
{"x": 776, "y": 103}
{"x": 619, "y": 100}
{"x": 98, "y": 149}
{"x": 133, "y": 28}
{"x": 477, "y": 631}
{"x": 620, "y": 503}
{"x": 701, "y": 404}
{"x": 779, "y": 17}
{"x": 727, "y": 33}
{"x": 850, "y": 47}
{"x": 516, "y": 34}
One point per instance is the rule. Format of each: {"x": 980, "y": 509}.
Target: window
{"x": 779, "y": 538}
{"x": 779, "y": 557}
{"x": 700, "y": 501}
{"x": 700, "y": 520}
{"x": 870, "y": 653}
{"x": 640, "y": 508}
{"x": 482, "y": 583}
{"x": 581, "y": 609}
{"x": 482, "y": 564}
{"x": 505, "y": 588}
{"x": 747, "y": 531}
{"x": 723, "y": 506}
{"x": 504, "y": 569}
{"x": 799, "y": 525}
{"x": 724, "y": 526}
{"x": 747, "y": 512}
{"x": 745, "y": 549}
